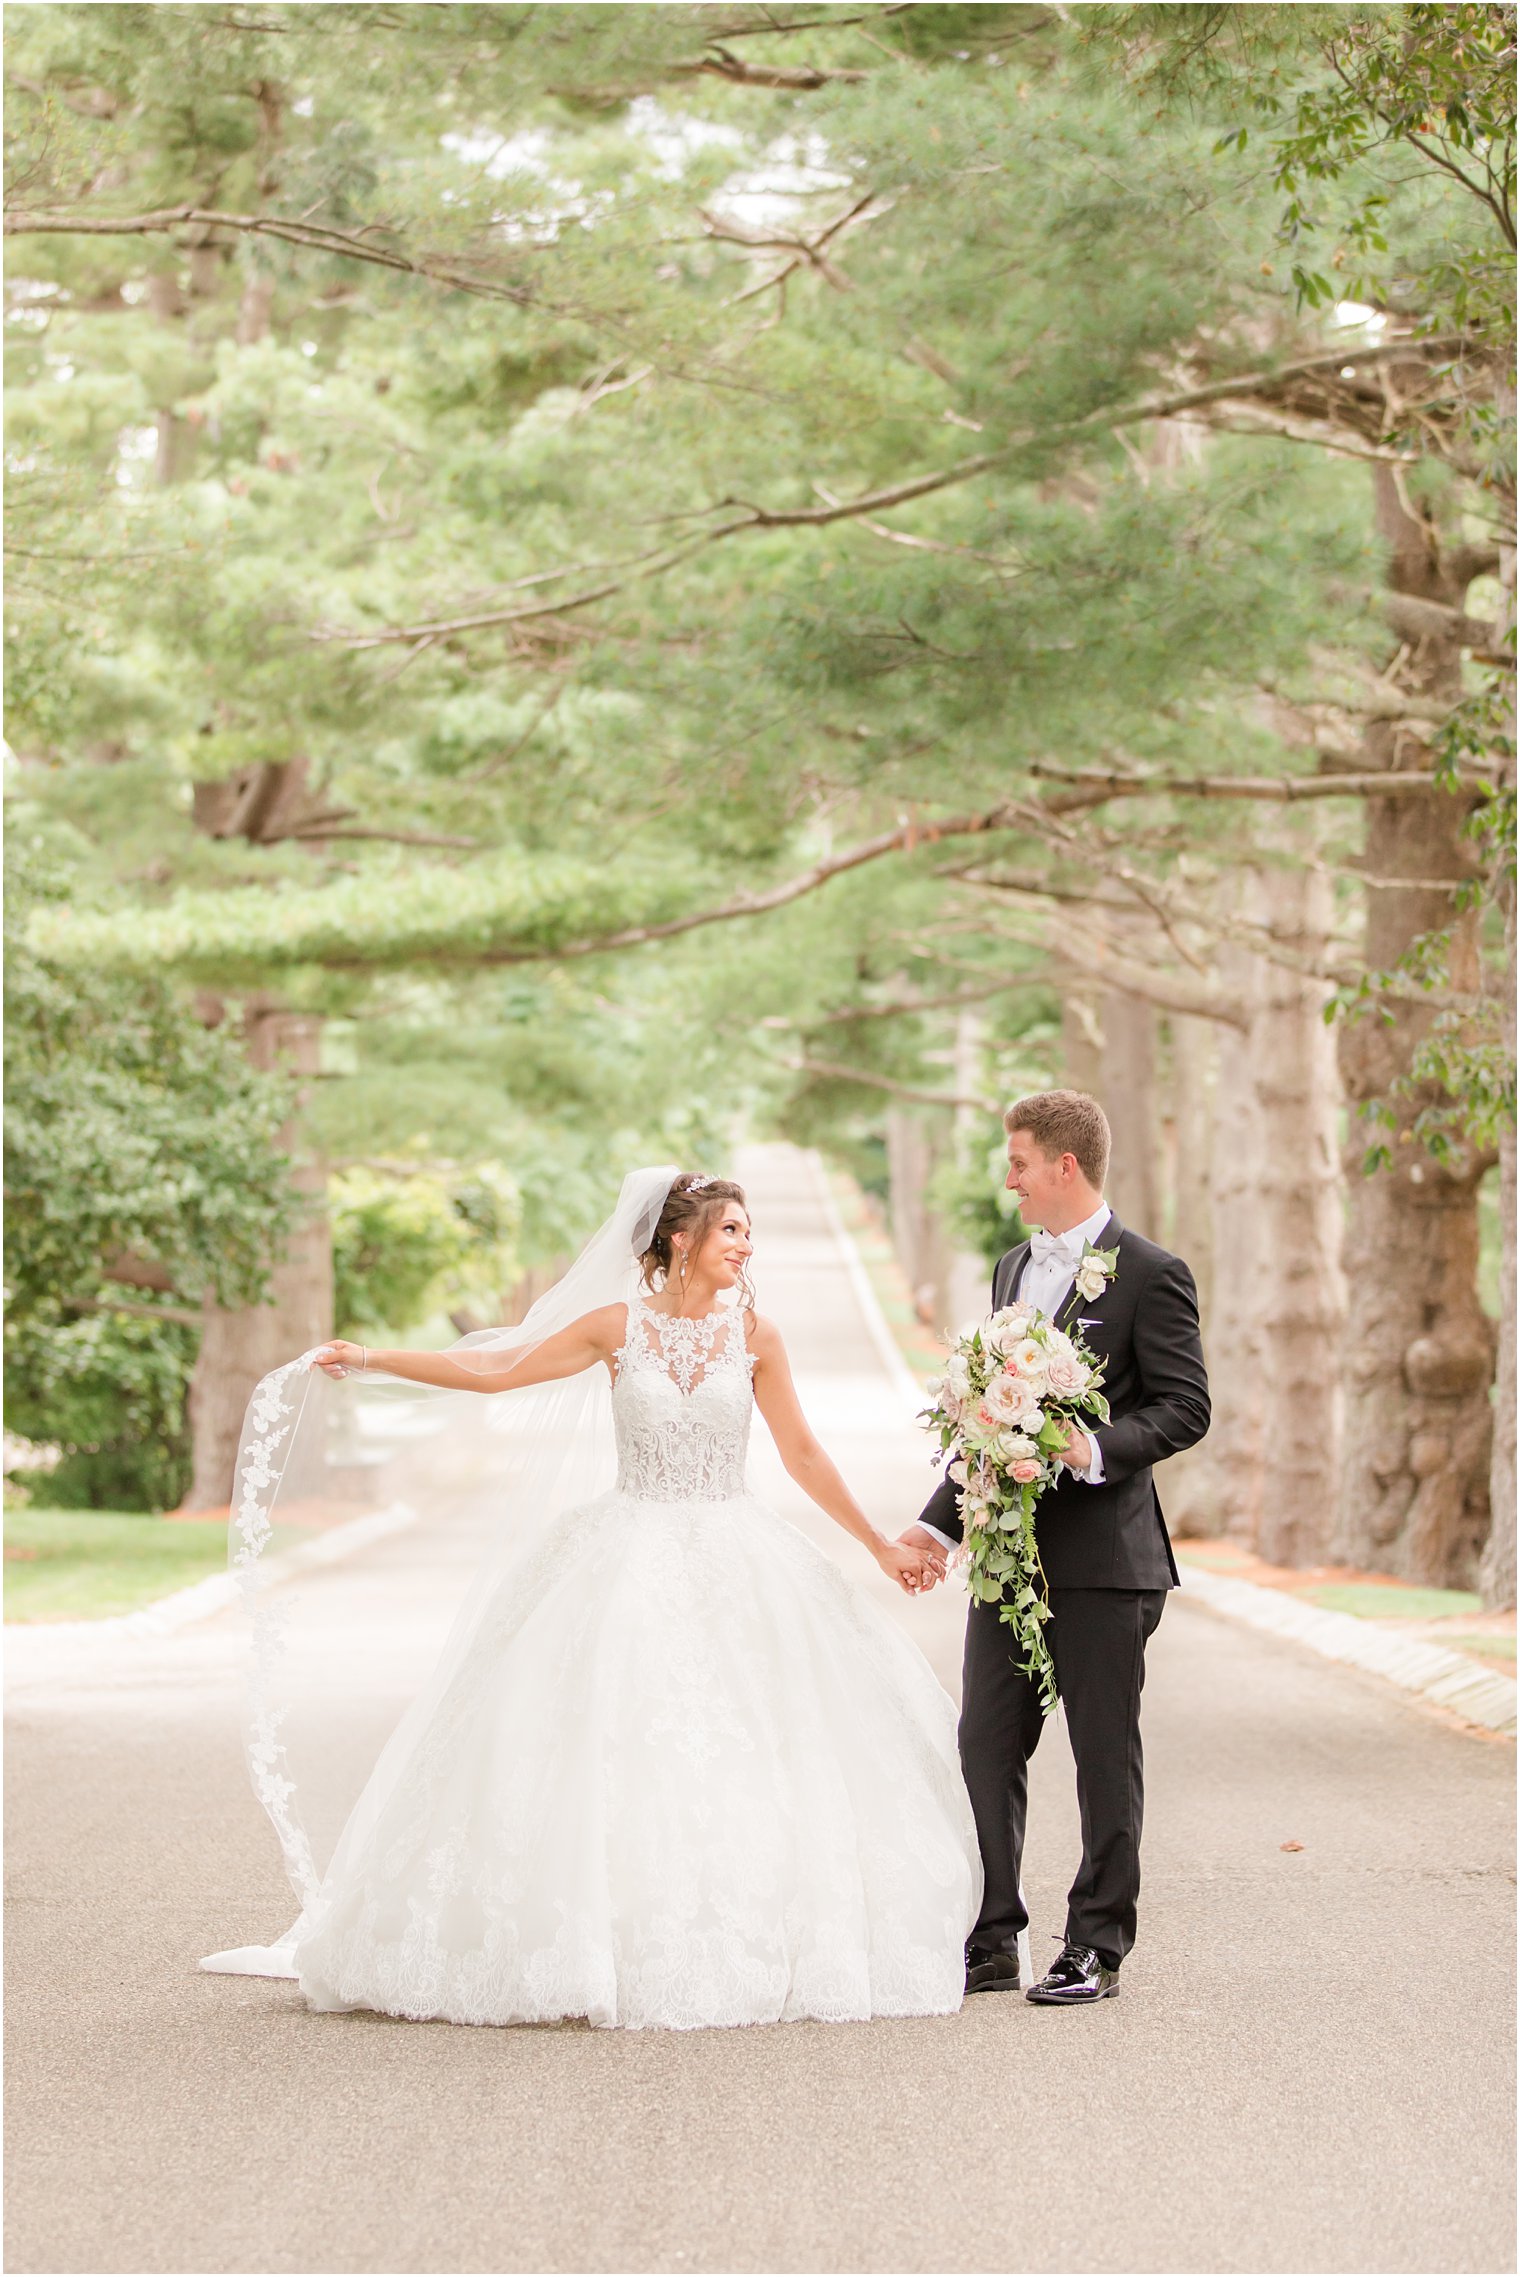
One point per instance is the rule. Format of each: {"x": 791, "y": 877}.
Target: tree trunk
{"x": 1273, "y": 1334}
{"x": 1216, "y": 1488}
{"x": 238, "y": 1347}
{"x": 1190, "y": 1230}
{"x": 255, "y": 307}
{"x": 965, "y": 1289}
{"x": 1081, "y": 1038}
{"x": 1497, "y": 1578}
{"x": 915, "y": 1148}
{"x": 1300, "y": 1205}
{"x": 1127, "y": 1089}
{"x": 1497, "y": 1574}
{"x": 1414, "y": 1497}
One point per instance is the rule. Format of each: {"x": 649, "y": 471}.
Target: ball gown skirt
{"x": 687, "y": 1772}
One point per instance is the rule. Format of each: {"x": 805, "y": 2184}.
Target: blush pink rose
{"x": 1003, "y": 1400}
{"x": 1065, "y": 1376}
{"x": 1024, "y": 1473}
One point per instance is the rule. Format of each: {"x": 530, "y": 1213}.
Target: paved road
{"x": 1309, "y": 2069}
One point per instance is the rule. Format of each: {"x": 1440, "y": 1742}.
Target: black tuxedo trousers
{"x": 1097, "y": 1639}
{"x": 1109, "y": 1565}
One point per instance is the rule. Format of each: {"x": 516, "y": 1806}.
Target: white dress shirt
{"x": 1046, "y": 1282}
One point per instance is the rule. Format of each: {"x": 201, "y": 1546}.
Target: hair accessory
{"x": 699, "y": 1185}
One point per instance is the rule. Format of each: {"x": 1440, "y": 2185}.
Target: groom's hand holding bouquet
{"x": 1008, "y": 1412}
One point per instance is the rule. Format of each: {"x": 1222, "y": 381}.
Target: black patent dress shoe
{"x": 990, "y": 1969}
{"x": 1076, "y": 1976}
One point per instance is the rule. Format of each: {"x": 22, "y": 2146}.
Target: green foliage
{"x": 82, "y": 1565}
{"x": 403, "y": 1245}
{"x": 1389, "y": 132}
{"x": 445, "y": 562}
{"x": 108, "y": 1391}
{"x": 133, "y": 1132}
{"x": 1440, "y": 81}
{"x": 132, "y": 1127}
{"x": 972, "y": 1197}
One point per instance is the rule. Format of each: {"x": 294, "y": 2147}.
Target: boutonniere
{"x": 1096, "y": 1270}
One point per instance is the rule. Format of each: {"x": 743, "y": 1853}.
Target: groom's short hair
{"x": 1066, "y": 1122}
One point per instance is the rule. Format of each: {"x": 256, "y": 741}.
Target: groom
{"x": 1104, "y": 1547}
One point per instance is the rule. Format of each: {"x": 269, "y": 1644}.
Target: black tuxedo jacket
{"x": 1144, "y": 1328}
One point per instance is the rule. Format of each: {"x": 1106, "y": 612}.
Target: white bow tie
{"x": 1045, "y": 1248}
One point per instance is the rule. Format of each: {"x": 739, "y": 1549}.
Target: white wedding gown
{"x": 687, "y": 1773}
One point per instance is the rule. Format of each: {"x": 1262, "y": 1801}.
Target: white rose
{"x": 957, "y": 1471}
{"x": 1092, "y": 1279}
{"x": 1015, "y": 1447}
{"x": 958, "y": 1377}
{"x": 1027, "y": 1362}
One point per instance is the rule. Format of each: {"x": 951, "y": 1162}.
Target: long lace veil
{"x": 447, "y": 1492}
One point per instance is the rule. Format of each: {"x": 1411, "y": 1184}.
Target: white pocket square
{"x": 1089, "y": 1320}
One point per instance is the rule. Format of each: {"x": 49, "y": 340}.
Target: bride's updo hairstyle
{"x": 693, "y": 1206}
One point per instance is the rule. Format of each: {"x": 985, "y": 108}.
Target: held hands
{"x": 907, "y": 1567}
{"x": 339, "y": 1359}
{"x": 916, "y": 1561}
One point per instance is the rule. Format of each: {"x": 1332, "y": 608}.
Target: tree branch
{"x": 1090, "y": 788}
{"x": 1092, "y": 953}
{"x": 1249, "y": 420}
{"x": 143, "y": 1311}
{"x": 908, "y": 835}
{"x": 752, "y": 517}
{"x": 1416, "y": 619}
{"x": 320, "y": 834}
{"x": 835, "y": 1071}
{"x": 1272, "y": 950}
{"x": 795, "y": 79}
{"x": 905, "y": 1006}
{"x": 346, "y": 244}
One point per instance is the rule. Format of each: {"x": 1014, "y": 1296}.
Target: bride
{"x": 674, "y": 1768}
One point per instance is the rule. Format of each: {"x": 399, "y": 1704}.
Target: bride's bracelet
{"x": 363, "y": 1358}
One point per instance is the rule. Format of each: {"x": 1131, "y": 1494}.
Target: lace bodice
{"x": 681, "y": 1406}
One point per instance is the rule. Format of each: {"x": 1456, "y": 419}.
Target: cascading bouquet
{"x": 1012, "y": 1388}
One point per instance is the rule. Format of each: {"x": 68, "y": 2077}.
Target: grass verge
{"x": 82, "y": 1565}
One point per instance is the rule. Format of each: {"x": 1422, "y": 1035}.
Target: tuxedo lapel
{"x": 1012, "y": 1273}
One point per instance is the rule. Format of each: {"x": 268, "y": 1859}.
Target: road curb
{"x": 1477, "y": 1695}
